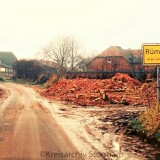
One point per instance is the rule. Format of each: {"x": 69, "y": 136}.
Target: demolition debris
{"x": 120, "y": 89}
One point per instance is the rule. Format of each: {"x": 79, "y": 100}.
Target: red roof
{"x": 118, "y": 51}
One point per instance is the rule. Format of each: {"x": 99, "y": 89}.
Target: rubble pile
{"x": 3, "y": 95}
{"x": 1, "y": 92}
{"x": 120, "y": 89}
{"x": 148, "y": 92}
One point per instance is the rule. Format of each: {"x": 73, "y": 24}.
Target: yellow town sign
{"x": 151, "y": 54}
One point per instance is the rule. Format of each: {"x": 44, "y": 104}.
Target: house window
{"x": 7, "y": 70}
{"x": 11, "y": 70}
{"x": 2, "y": 69}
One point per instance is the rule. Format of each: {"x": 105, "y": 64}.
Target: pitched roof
{"x": 112, "y": 51}
{"x": 7, "y": 58}
{"x": 4, "y": 65}
{"x": 118, "y": 51}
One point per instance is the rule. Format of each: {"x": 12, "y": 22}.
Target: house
{"x": 7, "y": 62}
{"x": 109, "y": 63}
{"x": 116, "y": 59}
{"x": 6, "y": 71}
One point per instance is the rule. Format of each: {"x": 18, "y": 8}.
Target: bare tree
{"x": 85, "y": 61}
{"x": 63, "y": 52}
{"x": 74, "y": 54}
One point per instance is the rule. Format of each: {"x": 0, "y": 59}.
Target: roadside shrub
{"x": 1, "y": 79}
{"x": 136, "y": 125}
{"x": 147, "y": 125}
{"x": 43, "y": 78}
{"x": 53, "y": 79}
{"x": 14, "y": 78}
{"x": 150, "y": 120}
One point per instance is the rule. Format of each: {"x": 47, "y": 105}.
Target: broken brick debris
{"x": 120, "y": 89}
{"x": 1, "y": 92}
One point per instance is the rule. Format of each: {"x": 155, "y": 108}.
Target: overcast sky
{"x": 28, "y": 25}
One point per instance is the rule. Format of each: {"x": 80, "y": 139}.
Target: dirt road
{"x": 28, "y": 131}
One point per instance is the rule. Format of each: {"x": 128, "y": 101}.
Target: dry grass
{"x": 150, "y": 119}
{"x": 53, "y": 79}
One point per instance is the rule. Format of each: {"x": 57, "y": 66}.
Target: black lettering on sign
{"x": 152, "y": 51}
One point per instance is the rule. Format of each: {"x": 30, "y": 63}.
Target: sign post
{"x": 158, "y": 87}
{"x": 151, "y": 56}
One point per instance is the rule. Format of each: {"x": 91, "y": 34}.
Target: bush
{"x": 147, "y": 126}
{"x": 150, "y": 120}
{"x": 53, "y": 79}
{"x": 136, "y": 125}
{"x": 1, "y": 79}
{"x": 42, "y": 78}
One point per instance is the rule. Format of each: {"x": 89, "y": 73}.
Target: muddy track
{"x": 28, "y": 131}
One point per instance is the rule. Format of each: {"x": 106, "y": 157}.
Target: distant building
{"x": 115, "y": 59}
{"x": 109, "y": 63}
{"x": 7, "y": 62}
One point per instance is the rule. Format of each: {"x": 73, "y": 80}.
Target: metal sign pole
{"x": 158, "y": 87}
{"x": 151, "y": 56}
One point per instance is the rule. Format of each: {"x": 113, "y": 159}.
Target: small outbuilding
{"x": 7, "y": 62}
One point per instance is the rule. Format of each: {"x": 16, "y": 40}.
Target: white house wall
{"x": 2, "y": 69}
